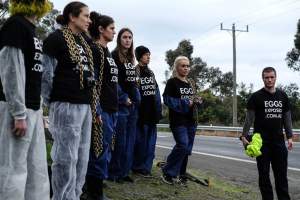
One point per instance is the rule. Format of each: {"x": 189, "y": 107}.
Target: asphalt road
{"x": 224, "y": 157}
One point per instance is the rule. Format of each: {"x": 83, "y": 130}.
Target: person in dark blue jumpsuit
{"x": 179, "y": 96}
{"x": 148, "y": 116}
{"x": 102, "y": 30}
{"x": 129, "y": 99}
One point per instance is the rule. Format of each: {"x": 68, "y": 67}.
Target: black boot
{"x": 93, "y": 189}
{"x": 102, "y": 196}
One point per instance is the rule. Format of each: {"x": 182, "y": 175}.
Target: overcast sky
{"x": 162, "y": 24}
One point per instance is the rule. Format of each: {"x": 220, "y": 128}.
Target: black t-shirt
{"x": 18, "y": 32}
{"x": 126, "y": 76}
{"x": 178, "y": 89}
{"x": 148, "y": 112}
{"x": 269, "y": 109}
{"x": 109, "y": 89}
{"x": 66, "y": 81}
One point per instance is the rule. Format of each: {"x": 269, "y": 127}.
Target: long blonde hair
{"x": 176, "y": 64}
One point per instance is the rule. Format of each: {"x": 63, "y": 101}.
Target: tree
{"x": 45, "y": 25}
{"x": 204, "y": 76}
{"x": 293, "y": 56}
{"x": 244, "y": 93}
{"x": 216, "y": 108}
{"x": 292, "y": 91}
{"x": 3, "y": 11}
{"x": 185, "y": 48}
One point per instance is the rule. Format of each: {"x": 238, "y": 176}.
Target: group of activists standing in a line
{"x": 103, "y": 107}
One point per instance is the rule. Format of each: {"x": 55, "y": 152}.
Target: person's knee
{"x": 183, "y": 147}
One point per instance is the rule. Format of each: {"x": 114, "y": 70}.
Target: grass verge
{"x": 155, "y": 189}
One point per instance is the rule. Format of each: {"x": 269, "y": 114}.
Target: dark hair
{"x": 98, "y": 20}
{"x": 73, "y": 8}
{"x": 129, "y": 55}
{"x": 268, "y": 69}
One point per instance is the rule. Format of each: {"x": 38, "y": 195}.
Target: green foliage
{"x": 185, "y": 48}
{"x": 293, "y": 56}
{"x": 47, "y": 24}
{"x": 205, "y": 77}
{"x": 198, "y": 67}
{"x": 216, "y": 87}
{"x": 3, "y": 11}
{"x": 292, "y": 91}
{"x": 244, "y": 93}
{"x": 44, "y": 26}
{"x": 212, "y": 110}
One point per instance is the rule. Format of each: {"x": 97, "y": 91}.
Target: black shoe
{"x": 104, "y": 197}
{"x": 119, "y": 180}
{"x": 167, "y": 179}
{"x": 104, "y": 185}
{"x": 128, "y": 179}
{"x": 143, "y": 173}
{"x": 182, "y": 180}
{"x": 87, "y": 196}
{"x": 116, "y": 180}
{"x": 93, "y": 189}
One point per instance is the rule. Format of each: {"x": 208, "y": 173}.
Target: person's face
{"x": 145, "y": 59}
{"x": 126, "y": 40}
{"x": 108, "y": 33}
{"x": 269, "y": 79}
{"x": 83, "y": 21}
{"x": 183, "y": 68}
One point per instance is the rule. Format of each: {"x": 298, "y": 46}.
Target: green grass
{"x": 48, "y": 148}
{"x": 155, "y": 189}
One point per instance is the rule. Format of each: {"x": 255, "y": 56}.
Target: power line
{"x": 261, "y": 11}
{"x": 272, "y": 16}
{"x": 260, "y": 14}
{"x": 243, "y": 17}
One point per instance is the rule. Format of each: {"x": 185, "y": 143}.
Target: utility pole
{"x": 234, "y": 99}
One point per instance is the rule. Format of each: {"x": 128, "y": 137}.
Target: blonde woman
{"x": 179, "y": 97}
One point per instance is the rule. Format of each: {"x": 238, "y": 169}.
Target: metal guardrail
{"x": 221, "y": 128}
{"x": 201, "y": 128}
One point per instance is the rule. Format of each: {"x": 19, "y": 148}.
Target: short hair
{"x": 268, "y": 69}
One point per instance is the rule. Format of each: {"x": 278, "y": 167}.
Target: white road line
{"x": 225, "y": 157}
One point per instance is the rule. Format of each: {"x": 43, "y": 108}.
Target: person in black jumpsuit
{"x": 270, "y": 110}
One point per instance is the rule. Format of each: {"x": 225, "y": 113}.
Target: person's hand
{"x": 198, "y": 100}
{"x": 128, "y": 102}
{"x": 99, "y": 119}
{"x": 191, "y": 103}
{"x": 20, "y": 127}
{"x": 290, "y": 144}
{"x": 46, "y": 122}
{"x": 244, "y": 141}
